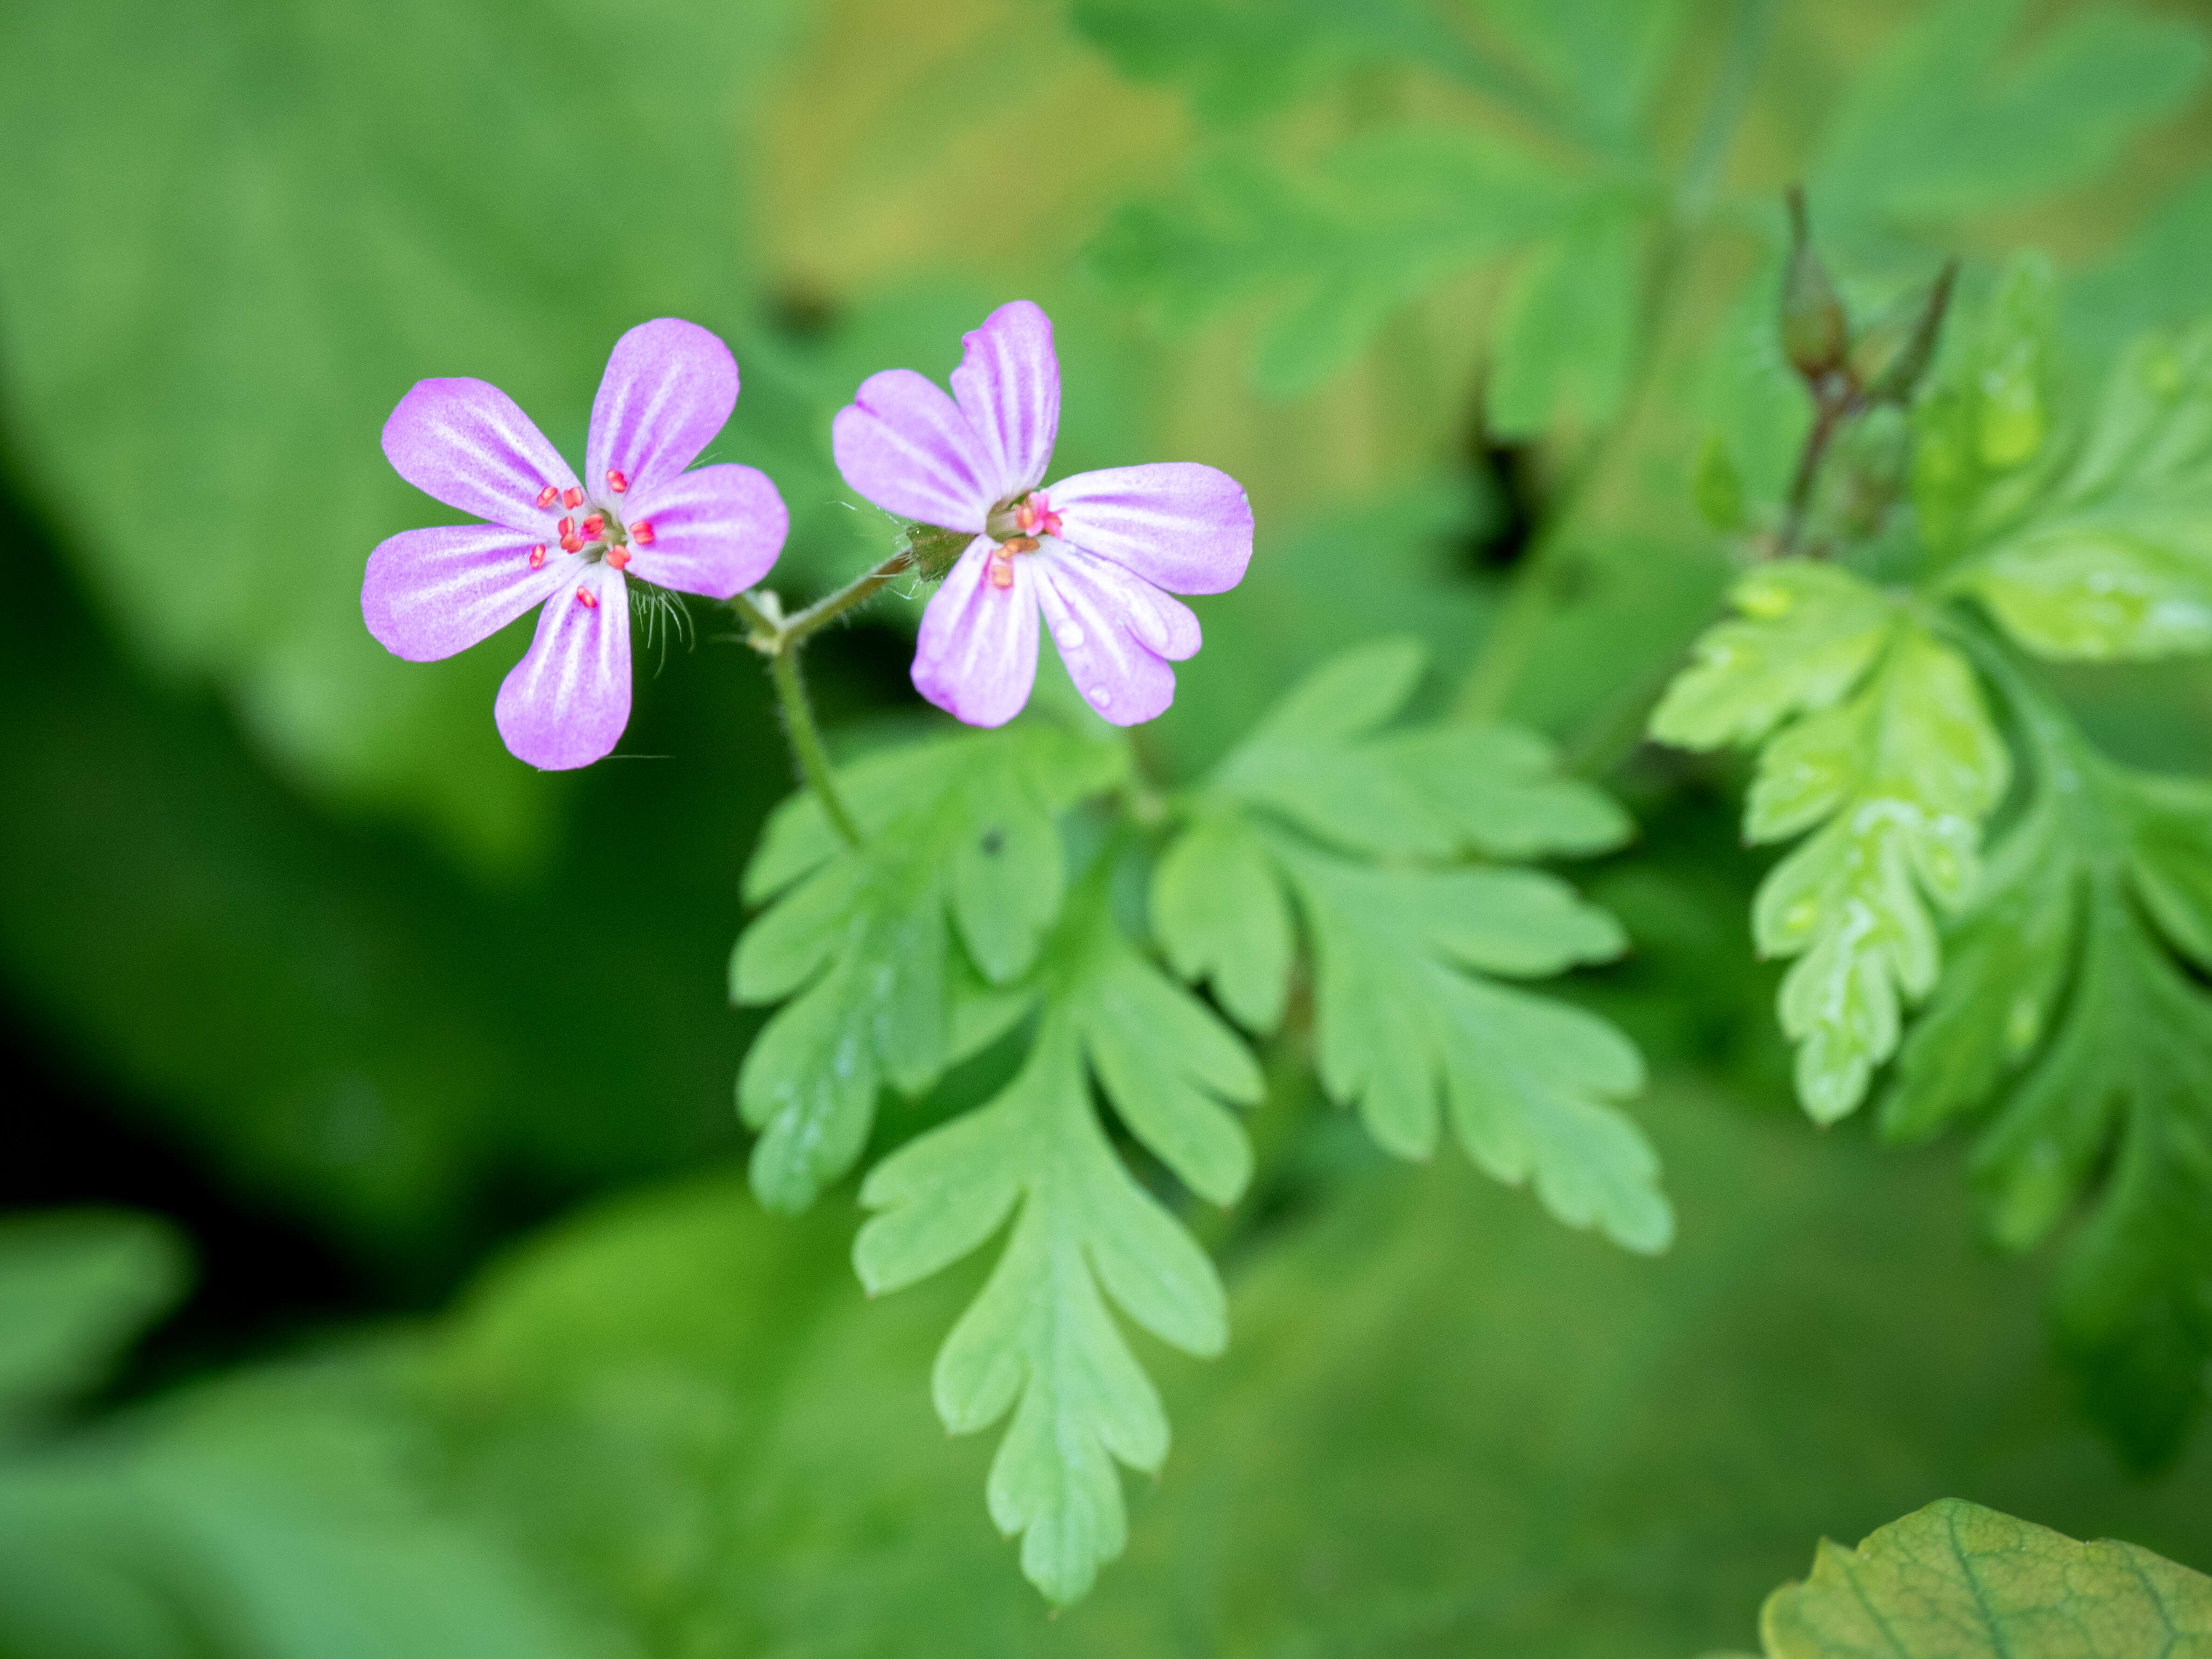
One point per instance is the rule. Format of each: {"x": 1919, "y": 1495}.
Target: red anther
{"x": 618, "y": 482}
{"x": 570, "y": 540}
{"x": 1025, "y": 516}
{"x": 588, "y": 600}
{"x": 548, "y": 496}
{"x": 572, "y": 498}
{"x": 641, "y": 534}
{"x": 1002, "y": 568}
{"x": 1050, "y": 525}
{"x": 619, "y": 557}
{"x": 595, "y": 525}
{"x": 538, "y": 556}
{"x": 1019, "y": 545}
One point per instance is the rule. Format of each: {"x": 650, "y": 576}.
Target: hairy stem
{"x": 779, "y": 638}
{"x": 806, "y": 739}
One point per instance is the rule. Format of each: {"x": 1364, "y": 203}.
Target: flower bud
{"x": 1891, "y": 357}
{"x": 1814, "y": 331}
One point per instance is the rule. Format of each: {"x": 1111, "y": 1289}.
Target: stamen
{"x": 570, "y": 540}
{"x": 595, "y": 525}
{"x": 1019, "y": 544}
{"x": 1002, "y": 569}
{"x": 641, "y": 534}
{"x": 1025, "y": 516}
{"x": 616, "y": 481}
{"x": 619, "y": 558}
{"x": 548, "y": 496}
{"x": 588, "y": 600}
{"x": 538, "y": 556}
{"x": 572, "y": 498}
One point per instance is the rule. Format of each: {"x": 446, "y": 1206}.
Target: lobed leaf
{"x": 1039, "y": 1339}
{"x": 960, "y": 840}
{"x": 2067, "y": 1014}
{"x": 1809, "y": 634}
{"x": 1410, "y": 1025}
{"x": 2113, "y": 559}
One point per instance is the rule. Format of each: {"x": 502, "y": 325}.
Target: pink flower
{"x": 1095, "y": 553}
{"x": 572, "y": 546}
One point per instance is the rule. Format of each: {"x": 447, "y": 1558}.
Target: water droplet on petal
{"x": 1072, "y": 636}
{"x": 1100, "y": 695}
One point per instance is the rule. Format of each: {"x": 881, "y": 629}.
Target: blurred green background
{"x": 382, "y": 1086}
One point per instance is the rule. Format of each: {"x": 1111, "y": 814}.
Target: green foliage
{"x": 960, "y": 840}
{"x": 1039, "y": 1339}
{"x": 2110, "y": 558}
{"x": 1954, "y": 118}
{"x": 1876, "y": 737}
{"x": 1241, "y": 57}
{"x": 2071, "y": 1016}
{"x": 1956, "y": 1581}
{"x": 75, "y": 1288}
{"x": 1320, "y": 810}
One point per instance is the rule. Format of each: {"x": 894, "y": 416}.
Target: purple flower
{"x": 573, "y": 547}
{"x": 1094, "y": 555}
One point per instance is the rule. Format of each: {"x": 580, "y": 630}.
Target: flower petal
{"x": 1184, "y": 527}
{"x": 469, "y": 445}
{"x": 976, "y": 657}
{"x": 716, "y": 530}
{"x": 1114, "y": 632}
{"x": 905, "y": 445}
{"x": 669, "y": 388}
{"x": 1008, "y": 386}
{"x": 566, "y": 703}
{"x": 431, "y": 592}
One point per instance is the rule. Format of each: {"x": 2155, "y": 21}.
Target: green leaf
{"x": 75, "y": 1288}
{"x": 1903, "y": 777}
{"x": 1241, "y": 57}
{"x": 1566, "y": 334}
{"x": 960, "y": 838}
{"x": 2066, "y": 1012}
{"x": 1039, "y": 1340}
{"x": 1951, "y": 120}
{"x": 1315, "y": 761}
{"x": 1409, "y": 1024}
{"x": 1809, "y": 634}
{"x": 2113, "y": 558}
{"x": 1956, "y": 1581}
{"x": 1599, "y": 63}
{"x": 1384, "y": 216}
{"x": 1222, "y": 915}
{"x": 1892, "y": 761}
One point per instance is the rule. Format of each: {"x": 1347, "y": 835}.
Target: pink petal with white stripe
{"x": 565, "y": 704}
{"x": 669, "y": 388}
{"x": 1115, "y": 633}
{"x": 431, "y": 592}
{"x": 905, "y": 445}
{"x": 469, "y": 445}
{"x": 1179, "y": 525}
{"x": 977, "y": 654}
{"x": 716, "y": 530}
{"x": 1008, "y": 386}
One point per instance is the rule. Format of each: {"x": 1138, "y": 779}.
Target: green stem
{"x": 806, "y": 739}
{"x": 779, "y": 637}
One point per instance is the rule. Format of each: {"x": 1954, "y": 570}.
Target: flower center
{"x": 1016, "y": 526}
{"x": 596, "y": 532}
